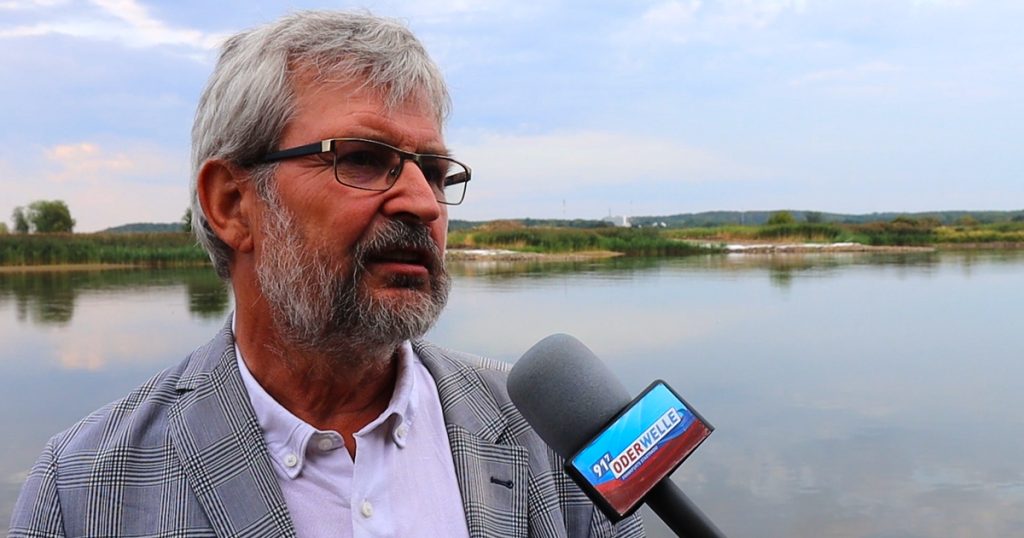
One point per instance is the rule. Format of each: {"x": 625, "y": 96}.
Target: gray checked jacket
{"x": 183, "y": 455}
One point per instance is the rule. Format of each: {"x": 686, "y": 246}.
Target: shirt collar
{"x": 287, "y": 436}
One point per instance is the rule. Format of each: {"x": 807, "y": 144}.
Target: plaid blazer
{"x": 183, "y": 455}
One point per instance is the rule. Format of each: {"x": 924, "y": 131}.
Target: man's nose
{"x": 412, "y": 195}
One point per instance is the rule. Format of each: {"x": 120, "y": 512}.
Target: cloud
{"x": 871, "y": 78}
{"x": 89, "y": 163}
{"x": 123, "y": 21}
{"x": 682, "y": 21}
{"x": 585, "y": 159}
{"x": 138, "y": 182}
{"x": 856, "y": 73}
{"x": 19, "y": 5}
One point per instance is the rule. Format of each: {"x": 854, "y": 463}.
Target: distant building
{"x": 621, "y": 222}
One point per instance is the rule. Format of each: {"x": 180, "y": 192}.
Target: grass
{"x": 900, "y": 232}
{"x": 161, "y": 249}
{"x": 168, "y": 249}
{"x": 627, "y": 241}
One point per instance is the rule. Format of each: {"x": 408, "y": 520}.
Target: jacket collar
{"x": 492, "y": 468}
{"x": 225, "y": 459}
{"x": 219, "y": 443}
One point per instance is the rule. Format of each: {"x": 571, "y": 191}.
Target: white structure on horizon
{"x": 619, "y": 221}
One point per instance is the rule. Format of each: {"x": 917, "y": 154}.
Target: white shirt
{"x": 402, "y": 482}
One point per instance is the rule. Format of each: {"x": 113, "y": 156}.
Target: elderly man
{"x": 321, "y": 186}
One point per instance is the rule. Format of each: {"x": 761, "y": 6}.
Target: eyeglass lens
{"x": 366, "y": 165}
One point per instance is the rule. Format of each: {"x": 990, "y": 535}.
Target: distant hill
{"x": 726, "y": 218}
{"x": 681, "y": 220}
{"x": 145, "y": 227}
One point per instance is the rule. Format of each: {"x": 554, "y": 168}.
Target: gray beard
{"x": 318, "y": 310}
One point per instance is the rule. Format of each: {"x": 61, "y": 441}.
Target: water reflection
{"x": 854, "y": 395}
{"x": 207, "y": 296}
{"x": 43, "y": 298}
{"x": 49, "y": 297}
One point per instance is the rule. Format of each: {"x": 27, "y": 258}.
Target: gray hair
{"x": 249, "y": 98}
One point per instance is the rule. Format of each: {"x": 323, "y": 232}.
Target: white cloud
{"x": 532, "y": 163}
{"x": 758, "y": 13}
{"x": 18, "y": 5}
{"x": 102, "y": 187}
{"x": 682, "y": 21}
{"x": 466, "y": 11}
{"x": 870, "y": 78}
{"x": 595, "y": 171}
{"x": 123, "y": 21}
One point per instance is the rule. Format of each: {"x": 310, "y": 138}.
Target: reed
{"x": 627, "y": 241}
{"x": 127, "y": 249}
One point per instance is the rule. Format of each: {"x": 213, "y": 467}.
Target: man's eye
{"x": 435, "y": 170}
{"x": 363, "y": 158}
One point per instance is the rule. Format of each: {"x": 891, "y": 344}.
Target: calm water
{"x": 853, "y": 395}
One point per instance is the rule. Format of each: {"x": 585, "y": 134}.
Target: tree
{"x": 3, "y": 228}
{"x": 967, "y": 220}
{"x": 781, "y": 218}
{"x": 48, "y": 216}
{"x": 20, "y": 221}
{"x": 186, "y": 221}
{"x": 813, "y": 217}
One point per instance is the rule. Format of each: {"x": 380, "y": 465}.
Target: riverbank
{"x": 805, "y": 248}
{"x": 481, "y": 254}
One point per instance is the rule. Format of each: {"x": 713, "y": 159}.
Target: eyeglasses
{"x": 375, "y": 166}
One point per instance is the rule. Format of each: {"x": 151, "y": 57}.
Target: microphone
{"x": 568, "y": 396}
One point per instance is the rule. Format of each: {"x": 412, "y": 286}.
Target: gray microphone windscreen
{"x": 565, "y": 392}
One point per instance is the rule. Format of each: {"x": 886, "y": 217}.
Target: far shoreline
{"x": 505, "y": 255}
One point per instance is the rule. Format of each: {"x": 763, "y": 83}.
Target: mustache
{"x": 399, "y": 235}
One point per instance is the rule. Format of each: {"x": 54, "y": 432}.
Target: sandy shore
{"x": 805, "y": 248}
{"x": 729, "y": 248}
{"x": 479, "y": 254}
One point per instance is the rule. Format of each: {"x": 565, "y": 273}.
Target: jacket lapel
{"x": 491, "y": 468}
{"x": 219, "y": 443}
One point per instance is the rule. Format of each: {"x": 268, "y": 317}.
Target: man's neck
{"x": 340, "y": 393}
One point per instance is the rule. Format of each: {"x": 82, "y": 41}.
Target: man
{"x": 321, "y": 185}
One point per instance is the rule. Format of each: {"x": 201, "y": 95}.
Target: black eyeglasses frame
{"x": 329, "y": 145}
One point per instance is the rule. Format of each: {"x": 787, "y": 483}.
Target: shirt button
{"x": 291, "y": 460}
{"x": 366, "y": 509}
{"x": 402, "y": 431}
{"x": 325, "y": 444}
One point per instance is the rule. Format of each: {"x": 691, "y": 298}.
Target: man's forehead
{"x": 311, "y": 81}
{"x": 354, "y": 109}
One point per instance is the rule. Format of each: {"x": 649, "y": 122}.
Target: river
{"x": 853, "y": 394}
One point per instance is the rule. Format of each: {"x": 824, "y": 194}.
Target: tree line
{"x": 41, "y": 216}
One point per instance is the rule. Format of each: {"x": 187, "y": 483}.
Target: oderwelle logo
{"x": 645, "y": 444}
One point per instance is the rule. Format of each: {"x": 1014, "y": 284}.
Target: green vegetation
{"x": 757, "y": 218}
{"x": 178, "y": 248}
{"x": 146, "y": 228}
{"x": 628, "y": 241}
{"x": 43, "y": 216}
{"x": 901, "y": 231}
{"x": 781, "y": 218}
{"x": 186, "y": 221}
{"x": 131, "y": 249}
{"x": 20, "y": 220}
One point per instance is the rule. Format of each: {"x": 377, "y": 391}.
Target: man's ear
{"x": 226, "y": 196}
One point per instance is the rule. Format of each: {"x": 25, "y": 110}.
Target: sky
{"x": 564, "y": 109}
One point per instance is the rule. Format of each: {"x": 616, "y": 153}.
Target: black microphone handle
{"x": 679, "y": 513}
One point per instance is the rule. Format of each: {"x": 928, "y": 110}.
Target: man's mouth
{"x": 403, "y": 256}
